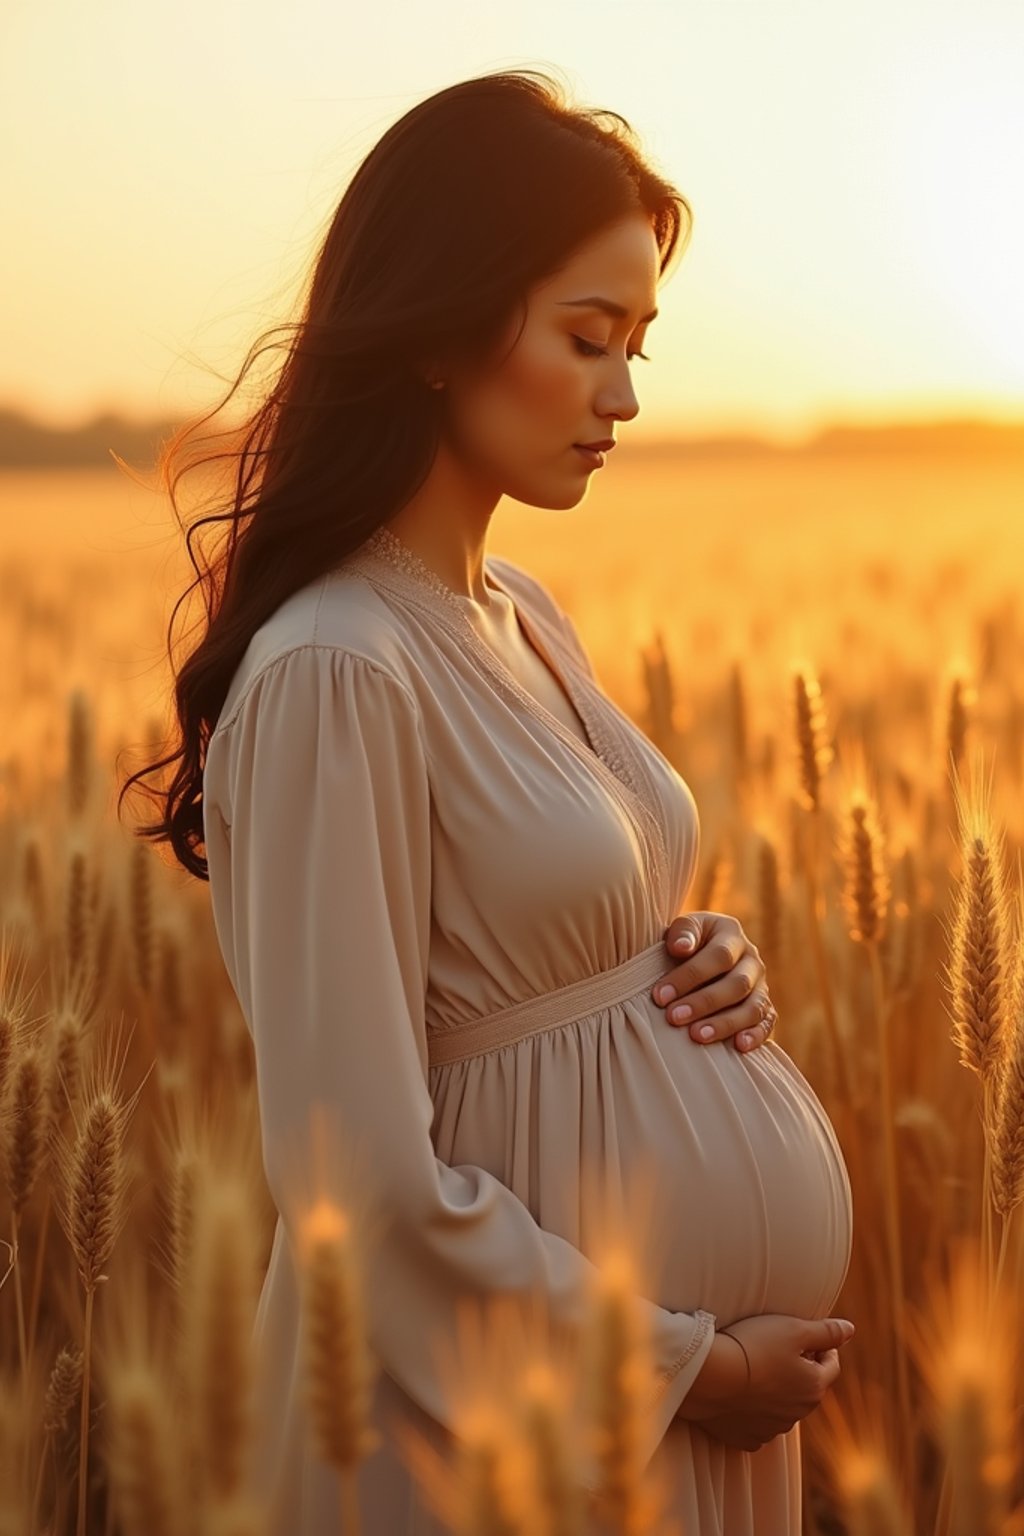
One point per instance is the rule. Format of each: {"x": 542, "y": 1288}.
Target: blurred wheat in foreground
{"x": 869, "y": 864}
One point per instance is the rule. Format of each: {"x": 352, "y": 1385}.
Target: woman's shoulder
{"x": 335, "y": 618}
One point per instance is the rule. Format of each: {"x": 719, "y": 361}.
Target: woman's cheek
{"x": 551, "y": 371}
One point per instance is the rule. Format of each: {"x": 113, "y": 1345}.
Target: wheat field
{"x": 830, "y": 653}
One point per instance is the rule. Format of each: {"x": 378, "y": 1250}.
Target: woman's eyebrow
{"x": 609, "y": 306}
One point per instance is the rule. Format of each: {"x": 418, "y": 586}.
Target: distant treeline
{"x": 28, "y": 444}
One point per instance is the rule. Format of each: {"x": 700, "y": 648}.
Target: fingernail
{"x": 707, "y": 1032}
{"x": 685, "y": 941}
{"x": 665, "y": 994}
{"x": 745, "y": 1039}
{"x": 680, "y": 1012}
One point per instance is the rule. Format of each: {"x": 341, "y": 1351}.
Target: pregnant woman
{"x": 444, "y": 865}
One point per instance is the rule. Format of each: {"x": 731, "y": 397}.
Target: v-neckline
{"x": 610, "y": 750}
{"x": 386, "y": 544}
{"x": 542, "y": 652}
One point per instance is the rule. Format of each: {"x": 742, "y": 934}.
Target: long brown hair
{"x": 467, "y": 201}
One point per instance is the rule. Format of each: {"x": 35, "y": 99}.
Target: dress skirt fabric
{"x": 443, "y": 914}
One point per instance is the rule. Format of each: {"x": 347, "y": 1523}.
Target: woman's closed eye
{"x": 589, "y": 349}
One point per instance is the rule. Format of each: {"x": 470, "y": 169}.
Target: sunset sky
{"x": 858, "y": 250}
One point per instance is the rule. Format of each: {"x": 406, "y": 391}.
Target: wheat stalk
{"x": 483, "y": 1479}
{"x": 106, "y": 936}
{"x": 8, "y": 1048}
{"x": 141, "y": 888}
{"x": 658, "y": 687}
{"x": 92, "y": 1207}
{"x": 23, "y": 1156}
{"x": 477, "y": 1490}
{"x": 219, "y": 1322}
{"x": 28, "y": 1112}
{"x": 871, "y": 1493}
{"x": 739, "y": 734}
{"x": 558, "y": 1507}
{"x": 872, "y": 1505}
{"x": 62, "y": 1392}
{"x": 904, "y": 952}
{"x": 978, "y": 959}
{"x": 866, "y": 891}
{"x": 146, "y": 1469}
{"x": 80, "y": 737}
{"x": 339, "y": 1371}
{"x": 69, "y": 1037}
{"x": 866, "y": 885}
{"x": 67, "y": 1042}
{"x": 33, "y": 882}
{"x": 980, "y": 965}
{"x": 98, "y": 1183}
{"x": 501, "y": 1355}
{"x": 813, "y": 750}
{"x": 77, "y": 923}
{"x": 960, "y": 697}
{"x": 715, "y": 878}
{"x": 967, "y": 1346}
{"x": 814, "y": 753}
{"x": 183, "y": 1182}
{"x": 618, "y": 1377}
{"x": 768, "y": 893}
{"x": 1008, "y": 1131}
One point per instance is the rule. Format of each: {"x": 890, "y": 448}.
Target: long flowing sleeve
{"x": 321, "y": 779}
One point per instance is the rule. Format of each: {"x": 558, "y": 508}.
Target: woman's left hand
{"x": 720, "y": 954}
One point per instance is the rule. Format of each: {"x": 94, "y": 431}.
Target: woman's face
{"x": 513, "y": 423}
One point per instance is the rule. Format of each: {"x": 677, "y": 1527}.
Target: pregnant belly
{"x": 745, "y": 1167}
{"x": 727, "y": 1167}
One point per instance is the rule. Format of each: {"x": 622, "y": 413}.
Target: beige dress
{"x": 443, "y": 910}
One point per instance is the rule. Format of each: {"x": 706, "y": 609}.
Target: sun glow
{"x": 957, "y": 193}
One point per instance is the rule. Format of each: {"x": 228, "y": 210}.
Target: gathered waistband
{"x": 535, "y": 1014}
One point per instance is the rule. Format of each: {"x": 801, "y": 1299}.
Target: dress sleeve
{"x": 321, "y": 780}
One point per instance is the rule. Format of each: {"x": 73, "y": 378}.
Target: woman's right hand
{"x": 793, "y": 1362}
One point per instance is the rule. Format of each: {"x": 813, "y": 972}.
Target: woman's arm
{"x": 721, "y": 1378}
